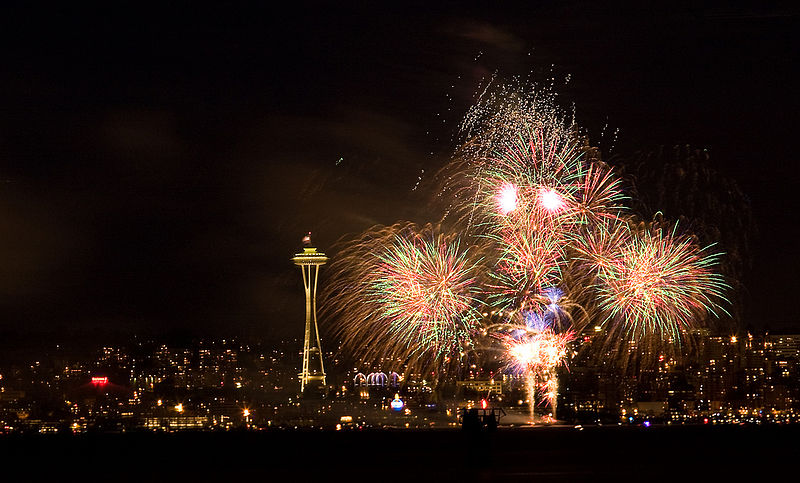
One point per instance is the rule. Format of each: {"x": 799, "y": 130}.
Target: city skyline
{"x": 209, "y": 384}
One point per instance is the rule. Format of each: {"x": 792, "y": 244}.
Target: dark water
{"x": 716, "y": 453}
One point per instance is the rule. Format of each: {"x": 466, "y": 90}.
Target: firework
{"x": 523, "y": 186}
{"x": 535, "y": 355}
{"x": 404, "y": 294}
{"x": 503, "y": 110}
{"x": 507, "y": 199}
{"x": 551, "y": 246}
{"x": 528, "y": 254}
{"x": 513, "y": 135}
{"x": 598, "y": 195}
{"x": 536, "y": 350}
{"x": 424, "y": 290}
{"x": 655, "y": 283}
{"x": 550, "y": 199}
{"x": 534, "y": 172}
{"x": 549, "y": 388}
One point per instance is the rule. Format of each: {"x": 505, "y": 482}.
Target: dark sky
{"x": 159, "y": 166}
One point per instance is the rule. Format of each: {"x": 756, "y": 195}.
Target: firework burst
{"x": 536, "y": 350}
{"x": 404, "y": 295}
{"x": 529, "y": 254}
{"x": 653, "y": 283}
{"x": 425, "y": 292}
{"x": 534, "y": 172}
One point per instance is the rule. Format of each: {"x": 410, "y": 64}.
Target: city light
{"x": 762, "y": 363}
{"x": 99, "y": 380}
{"x": 396, "y": 404}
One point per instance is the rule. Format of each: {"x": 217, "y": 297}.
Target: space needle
{"x": 309, "y": 261}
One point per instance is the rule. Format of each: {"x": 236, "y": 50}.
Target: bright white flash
{"x": 550, "y": 199}
{"x": 507, "y": 199}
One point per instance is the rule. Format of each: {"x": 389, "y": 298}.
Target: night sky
{"x": 158, "y": 167}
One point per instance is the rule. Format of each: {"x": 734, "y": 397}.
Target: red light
{"x": 705, "y": 420}
{"x": 484, "y": 404}
{"x": 99, "y": 380}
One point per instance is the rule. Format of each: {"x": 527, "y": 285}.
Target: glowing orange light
{"x": 484, "y": 403}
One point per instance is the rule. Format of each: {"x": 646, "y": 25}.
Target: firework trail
{"x": 503, "y": 110}
{"x": 405, "y": 296}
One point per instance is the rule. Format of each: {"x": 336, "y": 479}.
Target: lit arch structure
{"x": 360, "y": 380}
{"x": 377, "y": 379}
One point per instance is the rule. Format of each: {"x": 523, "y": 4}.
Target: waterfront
{"x": 563, "y": 453}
